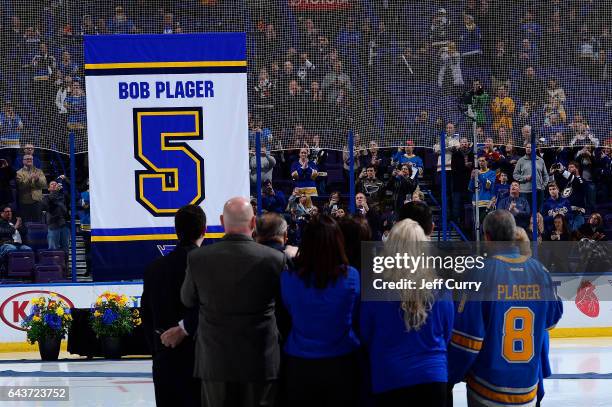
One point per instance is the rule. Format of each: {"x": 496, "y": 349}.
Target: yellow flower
{"x": 34, "y": 301}
{"x": 41, "y": 300}
{"x": 36, "y": 318}
{"x": 53, "y": 295}
{"x": 136, "y": 313}
{"x": 97, "y": 314}
{"x": 59, "y": 311}
{"x": 137, "y": 321}
{"x": 68, "y": 317}
{"x": 99, "y": 301}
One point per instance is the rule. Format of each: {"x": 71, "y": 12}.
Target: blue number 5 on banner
{"x": 174, "y": 174}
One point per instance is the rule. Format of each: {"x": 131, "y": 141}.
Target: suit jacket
{"x": 161, "y": 299}
{"x": 235, "y": 283}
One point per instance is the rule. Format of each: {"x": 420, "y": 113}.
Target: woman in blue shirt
{"x": 321, "y": 294}
{"x": 407, "y": 339}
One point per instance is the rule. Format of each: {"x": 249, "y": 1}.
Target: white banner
{"x": 15, "y": 302}
{"x": 167, "y": 122}
{"x": 116, "y": 201}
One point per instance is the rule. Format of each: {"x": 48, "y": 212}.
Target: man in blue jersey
{"x": 497, "y": 345}
{"x": 486, "y": 184}
{"x": 555, "y": 205}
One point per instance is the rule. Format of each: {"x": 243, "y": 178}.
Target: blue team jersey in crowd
{"x": 554, "y": 207}
{"x": 415, "y": 160}
{"x": 497, "y": 345}
{"x": 485, "y": 191}
{"x": 501, "y": 191}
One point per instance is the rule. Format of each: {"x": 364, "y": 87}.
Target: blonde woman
{"x": 407, "y": 339}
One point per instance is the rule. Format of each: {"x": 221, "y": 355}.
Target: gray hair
{"x": 499, "y": 226}
{"x": 270, "y": 226}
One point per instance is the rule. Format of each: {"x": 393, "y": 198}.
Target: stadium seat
{"x": 37, "y": 236}
{"x": 20, "y": 265}
{"x": 48, "y": 273}
{"x": 47, "y": 257}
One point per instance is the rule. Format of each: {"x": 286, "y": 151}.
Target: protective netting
{"x": 394, "y": 71}
{"x": 390, "y": 71}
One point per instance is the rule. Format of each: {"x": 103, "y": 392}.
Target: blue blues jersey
{"x": 485, "y": 191}
{"x": 497, "y": 345}
{"x": 501, "y": 191}
{"x": 415, "y": 160}
{"x": 552, "y": 208}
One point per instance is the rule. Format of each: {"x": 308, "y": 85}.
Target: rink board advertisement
{"x": 590, "y": 308}
{"x": 15, "y": 302}
{"x": 167, "y": 123}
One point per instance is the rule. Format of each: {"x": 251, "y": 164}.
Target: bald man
{"x": 234, "y": 282}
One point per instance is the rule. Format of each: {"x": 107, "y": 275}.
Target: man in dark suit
{"x": 235, "y": 283}
{"x": 170, "y": 327}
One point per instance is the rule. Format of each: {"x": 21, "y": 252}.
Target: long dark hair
{"x": 564, "y": 228}
{"x": 355, "y": 231}
{"x": 321, "y": 259}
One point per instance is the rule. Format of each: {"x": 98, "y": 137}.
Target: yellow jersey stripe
{"x": 466, "y": 342}
{"x": 130, "y": 238}
{"x": 177, "y": 64}
{"x": 501, "y": 397}
{"x": 513, "y": 260}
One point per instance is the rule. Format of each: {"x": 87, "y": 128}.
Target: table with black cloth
{"x": 82, "y": 339}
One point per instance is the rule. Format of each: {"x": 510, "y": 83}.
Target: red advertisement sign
{"x": 586, "y": 300}
{"x": 320, "y": 5}
{"x": 15, "y": 308}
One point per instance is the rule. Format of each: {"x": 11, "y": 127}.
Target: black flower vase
{"x": 49, "y": 347}
{"x": 111, "y": 347}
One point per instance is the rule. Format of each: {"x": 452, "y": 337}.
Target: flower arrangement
{"x": 112, "y": 316}
{"x": 49, "y": 317}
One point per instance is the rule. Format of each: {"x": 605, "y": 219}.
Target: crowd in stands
{"x": 518, "y": 84}
{"x": 394, "y": 73}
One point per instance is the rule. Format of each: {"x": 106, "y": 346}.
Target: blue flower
{"x": 34, "y": 310}
{"x": 53, "y": 321}
{"x": 27, "y": 320}
{"x": 109, "y": 317}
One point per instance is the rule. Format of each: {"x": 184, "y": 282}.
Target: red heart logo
{"x": 586, "y": 300}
